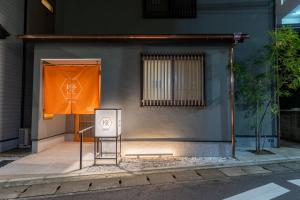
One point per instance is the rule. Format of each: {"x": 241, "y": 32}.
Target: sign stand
{"x": 107, "y": 129}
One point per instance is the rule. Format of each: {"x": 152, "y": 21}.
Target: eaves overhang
{"x": 233, "y": 38}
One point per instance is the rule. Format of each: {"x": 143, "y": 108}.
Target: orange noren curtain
{"x": 71, "y": 89}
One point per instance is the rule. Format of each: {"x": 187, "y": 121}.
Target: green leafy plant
{"x": 273, "y": 73}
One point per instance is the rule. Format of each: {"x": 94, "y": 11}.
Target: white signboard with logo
{"x": 108, "y": 122}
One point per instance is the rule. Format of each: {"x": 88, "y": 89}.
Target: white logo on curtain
{"x": 71, "y": 89}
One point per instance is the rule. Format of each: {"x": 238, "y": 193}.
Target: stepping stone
{"x": 255, "y": 170}
{"x": 233, "y": 171}
{"x": 74, "y": 186}
{"x": 107, "y": 183}
{"x": 292, "y": 165}
{"x": 211, "y": 173}
{"x": 12, "y": 192}
{"x": 161, "y": 178}
{"x": 134, "y": 181}
{"x": 186, "y": 176}
{"x": 41, "y": 189}
{"x": 275, "y": 167}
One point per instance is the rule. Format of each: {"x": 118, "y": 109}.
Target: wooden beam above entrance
{"x": 162, "y": 37}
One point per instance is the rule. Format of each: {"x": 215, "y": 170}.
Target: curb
{"x": 97, "y": 175}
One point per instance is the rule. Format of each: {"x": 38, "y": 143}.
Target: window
{"x": 173, "y": 80}
{"x": 170, "y": 8}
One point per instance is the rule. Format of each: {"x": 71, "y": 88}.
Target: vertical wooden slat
{"x": 179, "y": 81}
{"x": 160, "y": 79}
{"x": 193, "y": 98}
{"x": 175, "y": 81}
{"x": 169, "y": 81}
{"x": 145, "y": 88}
{"x": 195, "y": 80}
{"x": 149, "y": 80}
{"x": 150, "y": 65}
{"x": 198, "y": 80}
{"x": 157, "y": 79}
{"x": 189, "y": 79}
{"x": 147, "y": 75}
{"x": 202, "y": 80}
{"x": 163, "y": 63}
{"x": 199, "y": 74}
{"x": 76, "y": 127}
{"x": 183, "y": 80}
{"x": 166, "y": 80}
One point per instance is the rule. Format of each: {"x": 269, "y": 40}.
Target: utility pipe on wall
{"x": 232, "y": 100}
{"x": 237, "y": 38}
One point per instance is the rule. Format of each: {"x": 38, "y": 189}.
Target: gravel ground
{"x": 137, "y": 164}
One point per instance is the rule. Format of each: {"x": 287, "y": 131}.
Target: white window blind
{"x": 173, "y": 80}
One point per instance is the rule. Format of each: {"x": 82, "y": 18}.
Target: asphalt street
{"x": 256, "y": 187}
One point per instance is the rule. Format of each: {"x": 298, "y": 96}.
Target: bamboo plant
{"x": 273, "y": 73}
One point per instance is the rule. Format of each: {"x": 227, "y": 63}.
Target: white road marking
{"x": 296, "y": 182}
{"x": 265, "y": 192}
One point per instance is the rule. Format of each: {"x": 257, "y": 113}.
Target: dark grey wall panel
{"x": 39, "y": 19}
{"x": 11, "y": 17}
{"x": 121, "y": 88}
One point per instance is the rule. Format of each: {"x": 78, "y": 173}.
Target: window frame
{"x": 172, "y": 56}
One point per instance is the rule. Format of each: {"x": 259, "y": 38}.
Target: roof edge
{"x": 234, "y": 38}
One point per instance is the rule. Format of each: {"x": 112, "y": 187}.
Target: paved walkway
{"x": 60, "y": 159}
{"x": 63, "y": 159}
{"x": 57, "y": 187}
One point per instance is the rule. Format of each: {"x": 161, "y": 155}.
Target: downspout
{"x": 232, "y": 100}
{"x": 237, "y": 37}
{"x": 23, "y": 67}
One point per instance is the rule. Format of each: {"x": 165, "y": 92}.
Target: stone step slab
{"x": 12, "y": 192}
{"x": 275, "y": 167}
{"x": 134, "y": 181}
{"x": 255, "y": 170}
{"x": 74, "y": 186}
{"x": 233, "y": 171}
{"x": 40, "y": 190}
{"x": 211, "y": 173}
{"x": 103, "y": 184}
{"x": 186, "y": 176}
{"x": 161, "y": 178}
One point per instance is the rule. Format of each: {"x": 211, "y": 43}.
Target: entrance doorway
{"x": 72, "y": 87}
{"x": 82, "y": 122}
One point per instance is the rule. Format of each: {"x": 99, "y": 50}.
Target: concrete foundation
{"x": 146, "y": 148}
{"x": 251, "y": 142}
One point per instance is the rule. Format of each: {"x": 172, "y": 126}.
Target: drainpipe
{"x": 231, "y": 91}
{"x": 23, "y": 67}
{"x": 237, "y": 39}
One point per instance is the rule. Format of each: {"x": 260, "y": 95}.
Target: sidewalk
{"x": 62, "y": 163}
{"x": 83, "y": 184}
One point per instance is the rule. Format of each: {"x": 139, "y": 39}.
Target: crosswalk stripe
{"x": 265, "y": 192}
{"x": 296, "y": 182}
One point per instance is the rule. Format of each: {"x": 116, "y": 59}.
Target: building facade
{"x": 184, "y": 130}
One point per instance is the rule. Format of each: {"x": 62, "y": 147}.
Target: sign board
{"x": 108, "y": 122}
